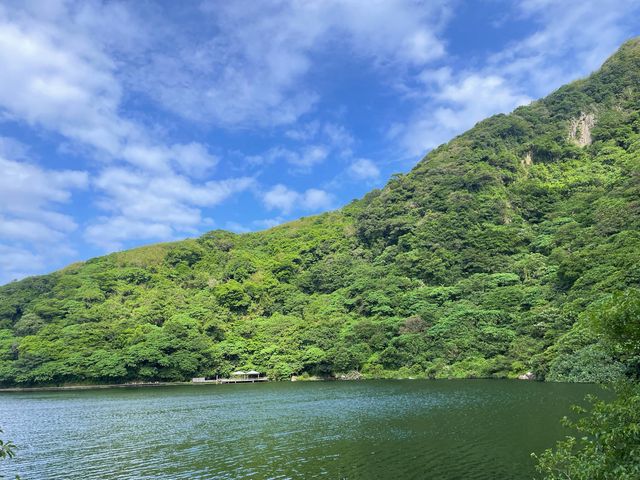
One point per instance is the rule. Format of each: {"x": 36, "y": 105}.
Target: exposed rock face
{"x": 580, "y": 129}
{"x": 527, "y": 376}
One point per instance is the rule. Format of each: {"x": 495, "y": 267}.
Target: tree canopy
{"x": 480, "y": 262}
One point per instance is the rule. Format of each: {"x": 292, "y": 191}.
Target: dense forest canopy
{"x": 486, "y": 260}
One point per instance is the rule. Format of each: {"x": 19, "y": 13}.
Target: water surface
{"x": 458, "y": 429}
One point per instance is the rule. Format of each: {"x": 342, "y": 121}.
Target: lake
{"x": 422, "y": 429}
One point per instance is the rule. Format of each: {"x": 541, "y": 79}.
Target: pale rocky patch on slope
{"x": 580, "y": 129}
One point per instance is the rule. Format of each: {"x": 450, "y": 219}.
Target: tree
{"x": 232, "y": 295}
{"x": 28, "y": 324}
{"x": 609, "y": 445}
{"x": 7, "y": 448}
{"x": 480, "y": 261}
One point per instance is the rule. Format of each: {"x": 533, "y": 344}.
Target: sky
{"x": 128, "y": 123}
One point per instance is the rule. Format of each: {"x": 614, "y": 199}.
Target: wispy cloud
{"x": 573, "y": 38}
{"x": 144, "y": 120}
{"x": 364, "y": 169}
{"x": 250, "y": 66}
{"x": 454, "y": 104}
{"x": 61, "y": 75}
{"x": 286, "y": 200}
{"x": 154, "y": 207}
{"x": 308, "y": 146}
{"x": 30, "y": 221}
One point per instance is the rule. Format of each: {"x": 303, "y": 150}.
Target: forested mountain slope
{"x": 482, "y": 261}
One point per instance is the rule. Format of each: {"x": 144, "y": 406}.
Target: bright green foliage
{"x": 620, "y": 326}
{"x": 7, "y": 449}
{"x": 609, "y": 447}
{"x": 480, "y": 262}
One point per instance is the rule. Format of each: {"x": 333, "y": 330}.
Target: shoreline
{"x": 92, "y": 387}
{"x": 174, "y": 384}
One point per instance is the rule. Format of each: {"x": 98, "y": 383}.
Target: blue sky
{"x": 126, "y": 123}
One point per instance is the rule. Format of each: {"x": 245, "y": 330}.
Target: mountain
{"x": 484, "y": 261}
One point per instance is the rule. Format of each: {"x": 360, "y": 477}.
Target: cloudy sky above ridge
{"x": 125, "y": 123}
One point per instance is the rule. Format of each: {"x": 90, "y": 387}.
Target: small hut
{"x": 250, "y": 376}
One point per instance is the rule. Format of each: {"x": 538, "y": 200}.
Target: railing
{"x": 243, "y": 380}
{"x": 232, "y": 380}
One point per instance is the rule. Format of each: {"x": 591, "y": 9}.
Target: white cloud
{"x": 303, "y": 160}
{"x": 338, "y": 137}
{"x": 110, "y": 232}
{"x": 423, "y": 46}
{"x": 286, "y": 200}
{"x": 62, "y": 72}
{"x": 29, "y": 231}
{"x": 316, "y": 143}
{"x": 316, "y": 199}
{"x": 29, "y": 221}
{"x": 27, "y": 188}
{"x": 193, "y": 158}
{"x": 364, "y": 169}
{"x": 18, "y": 262}
{"x": 573, "y": 39}
{"x": 280, "y": 197}
{"x": 62, "y": 81}
{"x": 251, "y": 67}
{"x": 52, "y": 81}
{"x": 456, "y": 105}
{"x": 167, "y": 204}
{"x": 236, "y": 227}
{"x": 89, "y": 71}
{"x": 304, "y": 132}
{"x": 11, "y": 148}
{"x": 269, "y": 222}
{"x": 58, "y": 76}
{"x": 333, "y": 134}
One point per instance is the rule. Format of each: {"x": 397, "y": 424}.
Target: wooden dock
{"x": 242, "y": 380}
{"x": 220, "y": 381}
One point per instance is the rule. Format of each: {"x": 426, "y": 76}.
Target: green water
{"x": 465, "y": 429}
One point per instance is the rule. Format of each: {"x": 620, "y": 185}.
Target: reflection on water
{"x": 464, "y": 429}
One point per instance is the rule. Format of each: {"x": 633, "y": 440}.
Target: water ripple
{"x": 352, "y": 430}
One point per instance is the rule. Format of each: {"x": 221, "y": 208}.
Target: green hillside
{"x": 483, "y": 261}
